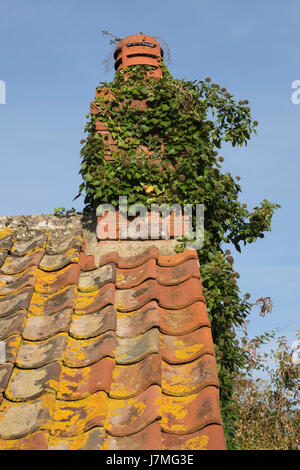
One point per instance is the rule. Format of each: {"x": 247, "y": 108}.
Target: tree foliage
{"x": 268, "y": 397}
{"x": 172, "y": 146}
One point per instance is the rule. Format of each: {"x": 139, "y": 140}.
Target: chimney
{"x": 133, "y": 50}
{"x": 139, "y": 50}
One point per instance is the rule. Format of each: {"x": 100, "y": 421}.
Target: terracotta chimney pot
{"x": 139, "y": 50}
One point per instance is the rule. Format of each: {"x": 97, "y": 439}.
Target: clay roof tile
{"x": 104, "y": 352}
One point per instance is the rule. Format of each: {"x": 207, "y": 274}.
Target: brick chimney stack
{"x": 133, "y": 50}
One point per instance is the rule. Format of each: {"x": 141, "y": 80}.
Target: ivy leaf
{"x": 144, "y": 90}
{"x": 87, "y": 177}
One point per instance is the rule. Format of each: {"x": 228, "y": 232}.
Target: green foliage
{"x": 63, "y": 211}
{"x": 115, "y": 39}
{"x": 182, "y": 125}
{"x": 269, "y": 414}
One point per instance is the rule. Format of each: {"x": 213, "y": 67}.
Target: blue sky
{"x": 51, "y": 61}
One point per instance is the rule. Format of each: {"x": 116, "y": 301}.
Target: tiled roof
{"x": 108, "y": 354}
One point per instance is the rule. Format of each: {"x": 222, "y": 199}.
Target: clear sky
{"x": 51, "y": 61}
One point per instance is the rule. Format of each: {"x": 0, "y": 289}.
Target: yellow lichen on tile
{"x": 38, "y": 300}
{"x": 178, "y": 428}
{"x": 116, "y": 373}
{"x": 44, "y": 279}
{"x": 7, "y": 279}
{"x": 105, "y": 445}
{"x": 140, "y": 407}
{"x": 74, "y": 443}
{"x": 33, "y": 250}
{"x": 84, "y": 299}
{"x": 73, "y": 255}
{"x": 120, "y": 392}
{"x": 196, "y": 443}
{"x": 71, "y": 380}
{"x": 119, "y": 356}
{"x": 118, "y": 304}
{"x": 116, "y": 390}
{"x": 124, "y": 315}
{"x": 114, "y": 408}
{"x": 12, "y": 346}
{"x": 13, "y": 444}
{"x": 5, "y": 232}
{"x": 52, "y": 384}
{"x": 72, "y": 417}
{"x": 174, "y": 406}
{"x": 75, "y": 348}
{"x": 80, "y": 442}
{"x": 88, "y": 288}
{"x": 177, "y": 386}
{"x": 15, "y": 341}
{"x": 60, "y": 260}
{"x": 188, "y": 351}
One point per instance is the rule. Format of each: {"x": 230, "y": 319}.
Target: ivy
{"x": 63, "y": 211}
{"x": 183, "y": 127}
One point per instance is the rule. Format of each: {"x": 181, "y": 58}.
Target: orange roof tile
{"x": 115, "y": 354}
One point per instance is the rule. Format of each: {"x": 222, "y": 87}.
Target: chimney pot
{"x": 139, "y": 50}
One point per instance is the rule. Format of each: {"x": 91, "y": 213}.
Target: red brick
{"x": 87, "y": 262}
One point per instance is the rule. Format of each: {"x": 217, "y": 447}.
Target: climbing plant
{"x": 168, "y": 152}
